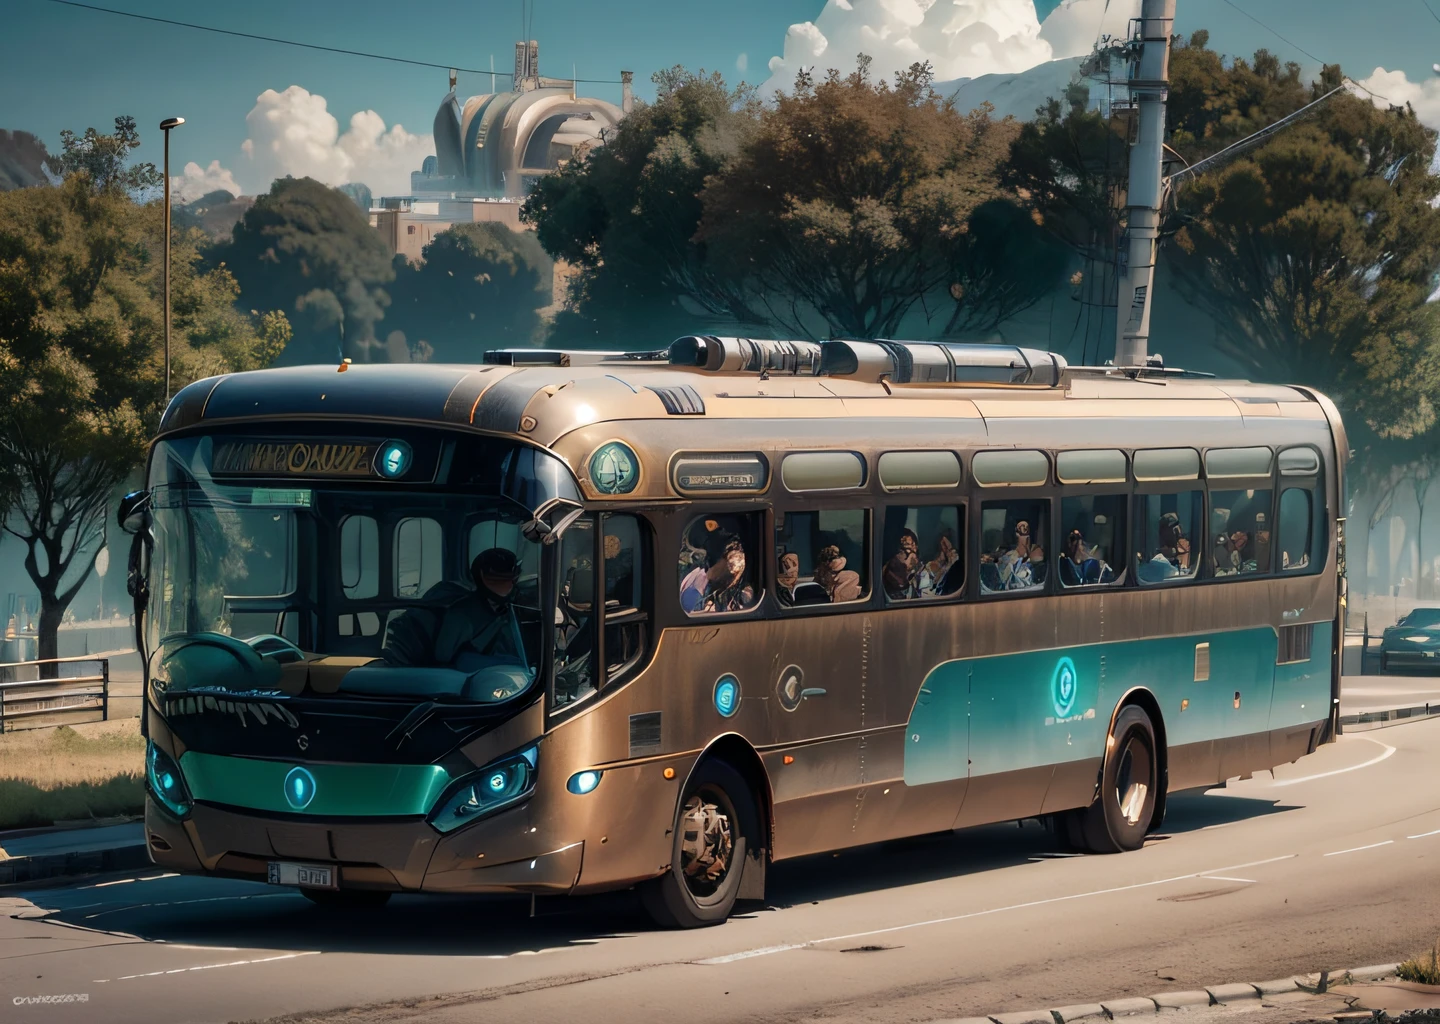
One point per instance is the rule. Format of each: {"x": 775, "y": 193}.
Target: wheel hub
{"x": 706, "y": 843}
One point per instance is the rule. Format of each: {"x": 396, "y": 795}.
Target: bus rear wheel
{"x": 347, "y": 899}
{"x": 716, "y": 825}
{"x": 1129, "y": 787}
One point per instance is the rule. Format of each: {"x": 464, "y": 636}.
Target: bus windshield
{"x": 363, "y": 588}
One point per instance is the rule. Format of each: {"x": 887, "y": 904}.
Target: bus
{"x": 568, "y": 622}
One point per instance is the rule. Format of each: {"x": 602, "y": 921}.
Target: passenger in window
{"x": 788, "y": 578}
{"x": 1024, "y": 564}
{"x": 455, "y": 625}
{"x": 902, "y": 571}
{"x": 728, "y": 586}
{"x": 946, "y": 559}
{"x": 1172, "y": 554}
{"x": 1079, "y": 567}
{"x": 840, "y": 583}
{"x": 1262, "y": 543}
{"x": 703, "y": 547}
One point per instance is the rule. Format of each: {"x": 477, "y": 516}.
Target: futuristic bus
{"x": 572, "y": 622}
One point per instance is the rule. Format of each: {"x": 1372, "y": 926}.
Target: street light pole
{"x": 165, "y": 126}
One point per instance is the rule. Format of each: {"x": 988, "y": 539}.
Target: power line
{"x": 1431, "y": 10}
{"x": 1317, "y": 60}
{"x": 307, "y": 46}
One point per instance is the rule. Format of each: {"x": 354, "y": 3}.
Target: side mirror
{"x": 134, "y": 512}
{"x": 540, "y": 531}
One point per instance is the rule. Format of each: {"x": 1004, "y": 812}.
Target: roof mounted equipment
{"x": 910, "y": 362}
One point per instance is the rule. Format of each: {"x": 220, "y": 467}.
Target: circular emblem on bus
{"x": 299, "y": 788}
{"x": 392, "y": 460}
{"x": 791, "y": 687}
{"x": 614, "y": 469}
{"x": 1064, "y": 687}
{"x": 727, "y": 695}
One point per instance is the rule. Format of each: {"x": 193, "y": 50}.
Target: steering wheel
{"x": 268, "y": 645}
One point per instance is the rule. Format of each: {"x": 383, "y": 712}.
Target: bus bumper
{"x": 508, "y": 853}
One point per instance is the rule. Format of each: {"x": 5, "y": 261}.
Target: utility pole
{"x": 165, "y": 126}
{"x": 1149, "y": 84}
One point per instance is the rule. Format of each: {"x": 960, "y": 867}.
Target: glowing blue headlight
{"x": 393, "y": 459}
{"x": 583, "y": 782}
{"x": 498, "y": 785}
{"x": 299, "y": 788}
{"x": 727, "y": 695}
{"x": 164, "y": 781}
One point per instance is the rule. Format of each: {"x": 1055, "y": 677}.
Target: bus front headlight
{"x": 499, "y": 784}
{"x": 164, "y": 781}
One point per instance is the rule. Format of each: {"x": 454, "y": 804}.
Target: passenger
{"x": 727, "y": 588}
{"x": 902, "y": 572}
{"x": 1078, "y": 565}
{"x": 840, "y": 583}
{"x": 1240, "y": 554}
{"x": 1262, "y": 543}
{"x": 454, "y": 620}
{"x": 944, "y": 571}
{"x": 706, "y": 541}
{"x": 788, "y": 578}
{"x": 1023, "y": 565}
{"x": 1172, "y": 554}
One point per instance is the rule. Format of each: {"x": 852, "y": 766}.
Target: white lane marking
{"x": 1422, "y": 835}
{"x": 1357, "y": 849}
{"x": 1222, "y": 878}
{"x": 1339, "y": 771}
{"x": 766, "y": 950}
{"x": 209, "y": 967}
{"x": 122, "y": 881}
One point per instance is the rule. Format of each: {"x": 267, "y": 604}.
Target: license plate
{"x": 310, "y": 876}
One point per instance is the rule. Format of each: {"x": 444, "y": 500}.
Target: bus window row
{"x": 822, "y": 557}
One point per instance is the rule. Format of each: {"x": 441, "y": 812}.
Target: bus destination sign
{"x": 708, "y": 473}
{"x": 295, "y": 458}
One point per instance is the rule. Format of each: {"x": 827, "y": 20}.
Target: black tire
{"x": 693, "y": 893}
{"x": 347, "y": 899}
{"x": 1123, "y": 811}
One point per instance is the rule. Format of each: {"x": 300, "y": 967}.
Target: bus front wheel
{"x": 1129, "y": 787}
{"x": 716, "y": 824}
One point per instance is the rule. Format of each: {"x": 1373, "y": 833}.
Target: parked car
{"x": 1413, "y": 642}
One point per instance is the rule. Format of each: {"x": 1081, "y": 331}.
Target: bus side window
{"x": 1013, "y": 535}
{"x": 1296, "y": 522}
{"x": 419, "y": 556}
{"x": 625, "y": 612}
{"x": 719, "y": 564}
{"x": 1240, "y": 532}
{"x": 1169, "y": 549}
{"x": 923, "y": 546}
{"x": 822, "y": 557}
{"x": 1092, "y": 540}
{"x": 575, "y": 651}
{"x": 359, "y": 557}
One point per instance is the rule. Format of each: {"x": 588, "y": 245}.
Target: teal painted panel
{"x": 1302, "y": 689}
{"x": 341, "y": 790}
{"x": 1036, "y": 708}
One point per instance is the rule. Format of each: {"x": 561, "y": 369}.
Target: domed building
{"x": 495, "y": 145}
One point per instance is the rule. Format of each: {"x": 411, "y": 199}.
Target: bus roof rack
{"x": 568, "y": 357}
{"x": 1154, "y": 367}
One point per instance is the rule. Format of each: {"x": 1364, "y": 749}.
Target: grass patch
{"x": 25, "y": 805}
{"x": 1424, "y": 968}
{"x": 62, "y": 774}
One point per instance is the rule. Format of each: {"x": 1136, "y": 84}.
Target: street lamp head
{"x": 171, "y": 122}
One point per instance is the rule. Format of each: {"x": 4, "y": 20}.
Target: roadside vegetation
{"x": 71, "y": 774}
{"x": 1424, "y": 969}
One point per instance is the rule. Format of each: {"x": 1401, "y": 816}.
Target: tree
{"x": 846, "y": 208}
{"x": 480, "y": 285}
{"x": 103, "y": 158}
{"x": 81, "y": 371}
{"x": 306, "y": 249}
{"x": 627, "y": 214}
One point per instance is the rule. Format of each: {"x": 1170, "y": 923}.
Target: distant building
{"x": 497, "y": 144}
{"x": 407, "y": 223}
{"x": 359, "y": 194}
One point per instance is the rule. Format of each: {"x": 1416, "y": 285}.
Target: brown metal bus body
{"x": 832, "y": 772}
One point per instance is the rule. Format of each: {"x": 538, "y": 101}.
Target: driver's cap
{"x": 496, "y": 562}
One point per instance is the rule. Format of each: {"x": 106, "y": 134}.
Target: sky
{"x": 255, "y": 110}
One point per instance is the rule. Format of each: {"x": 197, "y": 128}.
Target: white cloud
{"x": 293, "y": 132}
{"x": 1387, "y": 87}
{"x": 196, "y": 181}
{"x": 742, "y": 63}
{"x": 960, "y": 38}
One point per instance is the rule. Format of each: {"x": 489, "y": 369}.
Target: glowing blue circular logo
{"x": 1064, "y": 687}
{"x": 393, "y": 459}
{"x": 727, "y": 695}
{"x": 299, "y": 788}
{"x": 614, "y": 469}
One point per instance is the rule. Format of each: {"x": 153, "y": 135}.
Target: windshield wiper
{"x": 418, "y": 716}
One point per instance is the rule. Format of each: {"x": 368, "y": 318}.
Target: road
{"x": 1329, "y": 865}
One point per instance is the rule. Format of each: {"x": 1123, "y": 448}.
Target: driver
{"x": 455, "y": 620}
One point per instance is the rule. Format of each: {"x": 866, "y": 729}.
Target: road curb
{"x": 17, "y": 870}
{"x": 1170, "y": 1002}
{"x": 1367, "y": 720}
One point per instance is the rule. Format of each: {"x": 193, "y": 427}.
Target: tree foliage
{"x": 104, "y": 158}
{"x": 306, "y": 249}
{"x": 480, "y": 286}
{"x": 81, "y": 363}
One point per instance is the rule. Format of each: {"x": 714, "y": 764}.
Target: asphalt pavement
{"x": 1329, "y": 864}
